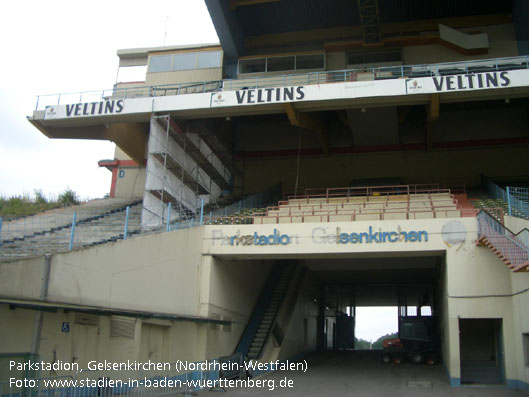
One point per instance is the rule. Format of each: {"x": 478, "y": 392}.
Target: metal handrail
{"x": 330, "y": 76}
{"x": 502, "y": 239}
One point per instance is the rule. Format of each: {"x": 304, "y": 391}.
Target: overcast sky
{"x": 52, "y": 47}
{"x": 373, "y": 322}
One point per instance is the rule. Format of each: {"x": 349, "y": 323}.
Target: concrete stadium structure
{"x": 379, "y": 121}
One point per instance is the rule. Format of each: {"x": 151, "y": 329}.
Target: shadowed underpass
{"x": 362, "y": 373}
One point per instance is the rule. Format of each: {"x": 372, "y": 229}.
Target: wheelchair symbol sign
{"x": 65, "y": 327}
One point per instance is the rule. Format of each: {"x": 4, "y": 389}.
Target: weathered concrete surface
{"x": 363, "y": 374}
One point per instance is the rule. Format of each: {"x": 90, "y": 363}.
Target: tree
{"x": 68, "y": 197}
{"x": 39, "y": 197}
{"x": 377, "y": 345}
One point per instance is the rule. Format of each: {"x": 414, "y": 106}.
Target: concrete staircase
{"x": 506, "y": 245}
{"x": 97, "y": 222}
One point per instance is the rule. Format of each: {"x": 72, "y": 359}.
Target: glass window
{"x": 160, "y": 63}
{"x": 210, "y": 59}
{"x": 315, "y": 61}
{"x": 252, "y": 65}
{"x": 184, "y": 61}
{"x": 278, "y": 64}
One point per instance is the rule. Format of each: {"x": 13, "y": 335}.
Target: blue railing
{"x": 249, "y": 81}
{"x": 516, "y": 198}
{"x": 258, "y": 200}
{"x": 518, "y": 201}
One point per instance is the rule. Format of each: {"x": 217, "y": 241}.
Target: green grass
{"x": 24, "y": 205}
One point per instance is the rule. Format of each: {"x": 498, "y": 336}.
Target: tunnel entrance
{"x": 315, "y": 307}
{"x": 366, "y": 301}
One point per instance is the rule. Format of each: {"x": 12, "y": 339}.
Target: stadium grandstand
{"x": 324, "y": 156}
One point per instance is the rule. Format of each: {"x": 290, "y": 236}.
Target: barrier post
{"x": 202, "y": 211}
{"x": 509, "y": 200}
{"x": 0, "y": 232}
{"x": 126, "y": 231}
{"x": 169, "y": 217}
{"x": 72, "y": 233}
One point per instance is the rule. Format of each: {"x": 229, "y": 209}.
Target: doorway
{"x": 481, "y": 351}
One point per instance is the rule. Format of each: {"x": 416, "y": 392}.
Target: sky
{"x": 373, "y": 322}
{"x": 52, "y": 47}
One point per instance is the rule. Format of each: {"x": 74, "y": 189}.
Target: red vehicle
{"x": 416, "y": 342}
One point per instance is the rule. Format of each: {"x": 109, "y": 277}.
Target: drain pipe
{"x": 37, "y": 326}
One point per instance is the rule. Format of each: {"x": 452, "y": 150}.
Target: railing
{"x": 512, "y": 246}
{"x": 245, "y": 208}
{"x": 65, "y": 230}
{"x": 518, "y": 201}
{"x": 247, "y": 82}
{"x": 371, "y": 191}
{"x": 516, "y": 198}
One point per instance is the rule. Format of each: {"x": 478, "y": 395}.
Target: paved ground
{"x": 363, "y": 374}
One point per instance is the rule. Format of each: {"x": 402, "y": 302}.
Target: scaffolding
{"x": 183, "y": 173}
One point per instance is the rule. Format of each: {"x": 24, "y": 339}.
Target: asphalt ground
{"x": 361, "y": 373}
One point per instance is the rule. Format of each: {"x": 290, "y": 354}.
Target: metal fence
{"x": 516, "y": 199}
{"x": 338, "y": 76}
{"x": 512, "y": 246}
{"x": 237, "y": 213}
{"x": 67, "y": 229}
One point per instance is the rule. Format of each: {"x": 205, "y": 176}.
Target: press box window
{"x": 252, "y": 65}
{"x": 209, "y": 59}
{"x": 184, "y": 61}
{"x": 316, "y": 61}
{"x": 280, "y": 64}
{"x": 160, "y": 63}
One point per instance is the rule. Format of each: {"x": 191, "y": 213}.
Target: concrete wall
{"x": 300, "y": 325}
{"x": 84, "y": 343}
{"x": 234, "y": 288}
{"x": 151, "y": 273}
{"x": 480, "y": 286}
{"x": 515, "y": 224}
{"x": 130, "y": 180}
{"x": 520, "y": 303}
{"x": 157, "y": 273}
{"x": 22, "y": 278}
{"x": 183, "y": 76}
{"x": 502, "y": 43}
